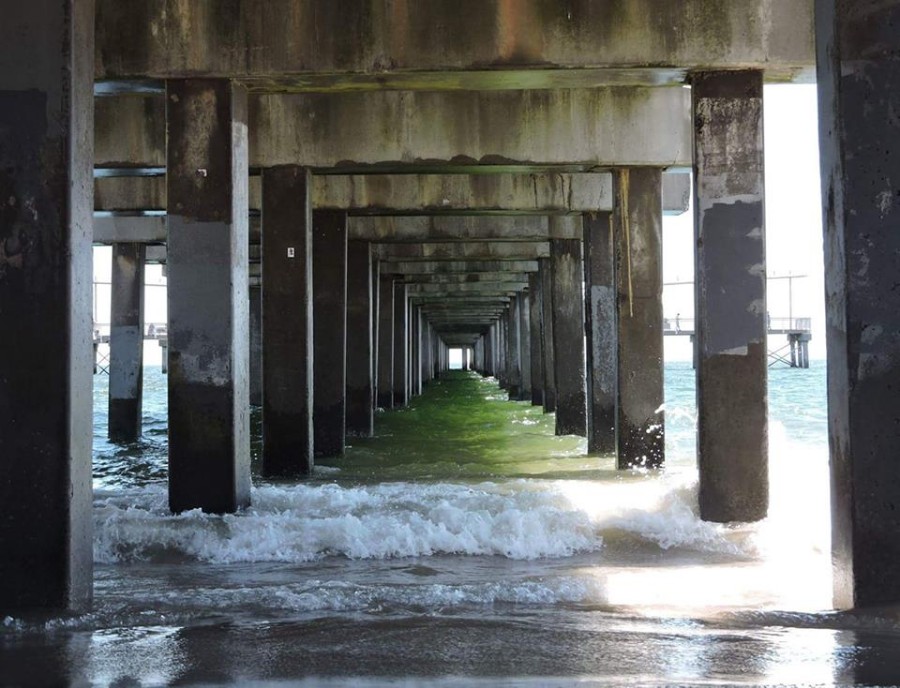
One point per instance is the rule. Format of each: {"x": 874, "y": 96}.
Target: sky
{"x": 793, "y": 231}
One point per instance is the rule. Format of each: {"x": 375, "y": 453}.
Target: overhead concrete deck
{"x": 469, "y": 45}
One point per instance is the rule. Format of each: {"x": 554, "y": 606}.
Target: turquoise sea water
{"x": 464, "y": 544}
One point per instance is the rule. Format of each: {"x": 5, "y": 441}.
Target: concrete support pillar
{"x": 600, "y": 331}
{"x": 401, "y": 342}
{"x": 859, "y": 101}
{"x": 385, "y": 341}
{"x": 525, "y": 345}
{"x": 487, "y": 345}
{"x": 547, "y": 365}
{"x": 412, "y": 355}
{"x": 46, "y": 186}
{"x": 418, "y": 350}
{"x": 330, "y": 331}
{"x": 567, "y": 276}
{"x": 287, "y": 322}
{"x": 126, "y": 343}
{"x": 535, "y": 306}
{"x": 503, "y": 332}
{"x": 376, "y": 308}
{"x": 421, "y": 356}
{"x": 360, "y": 405}
{"x": 729, "y": 226}
{"x": 637, "y": 226}
{"x": 256, "y": 346}
{"x": 513, "y": 350}
{"x": 208, "y": 283}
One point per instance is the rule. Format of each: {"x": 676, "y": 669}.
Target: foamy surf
{"x": 522, "y": 519}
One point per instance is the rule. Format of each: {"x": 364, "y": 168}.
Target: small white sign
{"x": 291, "y": 252}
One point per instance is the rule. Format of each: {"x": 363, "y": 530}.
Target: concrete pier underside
{"x": 502, "y": 170}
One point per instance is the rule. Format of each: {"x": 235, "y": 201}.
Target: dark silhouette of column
{"x": 46, "y": 207}
{"x": 600, "y": 331}
{"x": 567, "y": 275}
{"x": 287, "y": 322}
{"x": 329, "y": 331}
{"x": 360, "y": 416}
{"x": 859, "y": 101}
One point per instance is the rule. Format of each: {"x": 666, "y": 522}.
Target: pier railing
{"x": 678, "y": 326}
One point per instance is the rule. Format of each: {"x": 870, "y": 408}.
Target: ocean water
{"x": 464, "y": 544}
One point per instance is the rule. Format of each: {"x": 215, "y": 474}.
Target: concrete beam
{"x": 420, "y": 194}
{"x": 421, "y": 228}
{"x": 580, "y": 130}
{"x": 453, "y": 251}
{"x": 502, "y": 299}
{"x": 460, "y": 278}
{"x": 474, "y": 45}
{"x": 467, "y": 288}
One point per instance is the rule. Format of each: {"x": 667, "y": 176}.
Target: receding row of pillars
{"x": 46, "y": 359}
{"x": 338, "y": 338}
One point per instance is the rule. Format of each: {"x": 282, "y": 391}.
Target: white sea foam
{"x": 302, "y": 523}
{"x": 523, "y": 519}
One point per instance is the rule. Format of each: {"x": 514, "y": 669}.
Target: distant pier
{"x": 794, "y": 353}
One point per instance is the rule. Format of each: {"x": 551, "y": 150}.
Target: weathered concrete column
{"x": 567, "y": 276}
{"x": 503, "y": 349}
{"x": 209, "y": 315}
{"x": 859, "y": 99}
{"x": 513, "y": 350}
{"x": 535, "y": 306}
{"x": 638, "y": 241}
{"x": 330, "y": 331}
{"x": 600, "y": 331}
{"x": 360, "y": 416}
{"x": 547, "y": 364}
{"x": 256, "y": 346}
{"x": 385, "y": 393}
{"x": 411, "y": 356}
{"x": 420, "y": 354}
{"x": 525, "y": 345}
{"x": 126, "y": 343}
{"x": 287, "y": 322}
{"x": 46, "y": 186}
{"x": 401, "y": 342}
{"x": 729, "y": 226}
{"x": 374, "y": 313}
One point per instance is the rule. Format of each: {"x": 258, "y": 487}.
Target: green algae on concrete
{"x": 464, "y": 428}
